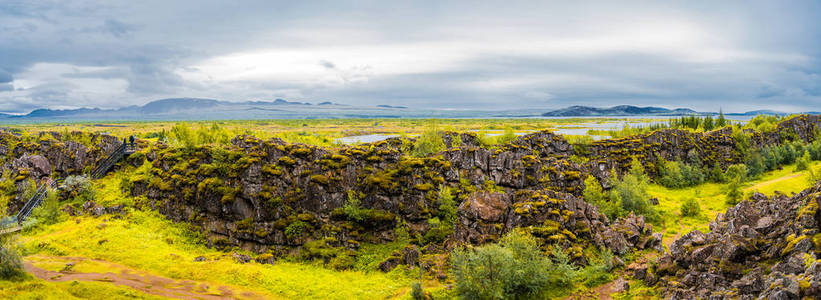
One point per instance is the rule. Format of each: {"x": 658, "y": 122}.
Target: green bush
{"x": 506, "y": 137}
{"x": 803, "y": 162}
{"x": 78, "y": 188}
{"x": 734, "y": 192}
{"x": 447, "y": 206}
{"x": 295, "y": 229}
{"x": 593, "y": 194}
{"x": 11, "y": 262}
{"x": 674, "y": 174}
{"x": 690, "y": 208}
{"x": 512, "y": 268}
{"x": 417, "y": 293}
{"x": 48, "y": 212}
{"x": 428, "y": 143}
{"x": 630, "y": 192}
{"x": 737, "y": 172}
{"x": 599, "y": 271}
{"x": 351, "y": 207}
{"x": 437, "y": 232}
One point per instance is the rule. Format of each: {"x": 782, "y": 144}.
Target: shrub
{"x": 690, "y": 208}
{"x": 737, "y": 172}
{"x": 11, "y": 263}
{"x": 295, "y": 229}
{"x": 599, "y": 271}
{"x": 506, "y": 137}
{"x": 447, "y": 206}
{"x": 803, "y": 162}
{"x": 593, "y": 191}
{"x": 183, "y": 135}
{"x": 716, "y": 174}
{"x": 734, "y": 192}
{"x": 48, "y": 212}
{"x": 428, "y": 143}
{"x": 351, "y": 207}
{"x": 79, "y": 188}
{"x": 438, "y": 232}
{"x": 417, "y": 292}
{"x": 630, "y": 192}
{"x": 593, "y": 194}
{"x": 512, "y": 268}
{"x": 674, "y": 174}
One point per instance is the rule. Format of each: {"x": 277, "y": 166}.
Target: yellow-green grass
{"x": 786, "y": 181}
{"x": 712, "y": 199}
{"x": 146, "y": 241}
{"x": 34, "y": 288}
{"x": 320, "y": 132}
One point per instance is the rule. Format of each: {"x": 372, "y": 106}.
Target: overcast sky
{"x": 706, "y": 55}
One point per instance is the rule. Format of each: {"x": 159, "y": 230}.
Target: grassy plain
{"x": 322, "y": 132}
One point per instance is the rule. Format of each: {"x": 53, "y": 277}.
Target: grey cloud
{"x": 147, "y": 43}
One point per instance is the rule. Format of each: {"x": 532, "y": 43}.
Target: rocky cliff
{"x": 265, "y": 195}
{"x": 765, "y": 248}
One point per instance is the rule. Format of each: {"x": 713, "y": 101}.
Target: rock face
{"x": 765, "y": 248}
{"x": 256, "y": 194}
{"x": 712, "y": 148}
{"x": 50, "y": 154}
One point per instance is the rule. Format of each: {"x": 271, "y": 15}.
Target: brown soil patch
{"x": 146, "y": 283}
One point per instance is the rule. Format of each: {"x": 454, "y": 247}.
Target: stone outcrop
{"x": 50, "y": 154}
{"x": 765, "y": 248}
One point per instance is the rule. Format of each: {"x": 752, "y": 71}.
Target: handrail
{"x": 109, "y": 161}
{"x": 32, "y": 203}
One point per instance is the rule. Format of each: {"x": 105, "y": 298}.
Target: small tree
{"x": 803, "y": 162}
{"x": 690, "y": 208}
{"x": 737, "y": 172}
{"x": 734, "y": 192}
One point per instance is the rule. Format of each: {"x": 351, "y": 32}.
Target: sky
{"x": 488, "y": 55}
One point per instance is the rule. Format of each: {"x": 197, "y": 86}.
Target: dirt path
{"x": 769, "y": 182}
{"x": 602, "y": 292}
{"x": 149, "y": 284}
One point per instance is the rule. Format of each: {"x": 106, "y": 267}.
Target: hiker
{"x": 131, "y": 139}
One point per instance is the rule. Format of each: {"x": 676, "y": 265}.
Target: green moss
{"x": 423, "y": 187}
{"x": 272, "y": 170}
{"x": 321, "y": 179}
{"x": 287, "y": 161}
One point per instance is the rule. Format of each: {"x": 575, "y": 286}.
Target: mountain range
{"x": 211, "y": 109}
{"x": 629, "y": 110}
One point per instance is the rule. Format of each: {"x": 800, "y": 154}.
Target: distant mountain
{"x": 391, "y": 106}
{"x": 48, "y": 113}
{"x": 621, "y": 110}
{"x": 760, "y": 112}
{"x": 284, "y": 102}
{"x": 176, "y": 104}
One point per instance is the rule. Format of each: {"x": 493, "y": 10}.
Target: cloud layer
{"x": 705, "y": 55}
